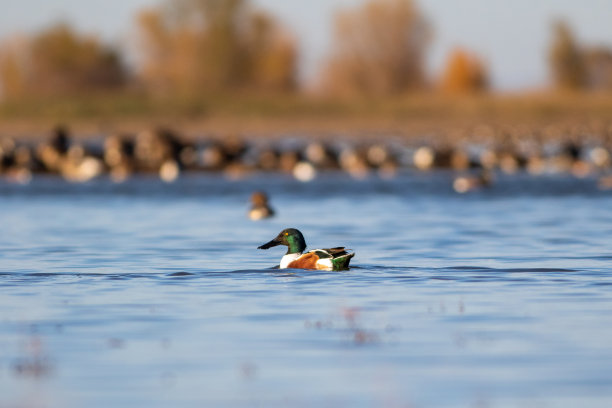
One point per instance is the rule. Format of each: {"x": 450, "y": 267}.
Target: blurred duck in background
{"x": 467, "y": 183}
{"x": 260, "y": 208}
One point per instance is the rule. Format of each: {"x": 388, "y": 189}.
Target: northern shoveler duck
{"x": 335, "y": 259}
{"x": 260, "y": 208}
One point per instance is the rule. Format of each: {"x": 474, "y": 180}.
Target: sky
{"x": 511, "y": 36}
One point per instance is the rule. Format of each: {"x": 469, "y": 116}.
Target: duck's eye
{"x": 286, "y": 233}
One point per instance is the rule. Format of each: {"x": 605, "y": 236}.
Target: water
{"x": 147, "y": 294}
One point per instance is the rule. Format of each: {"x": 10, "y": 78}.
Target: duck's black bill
{"x": 270, "y": 244}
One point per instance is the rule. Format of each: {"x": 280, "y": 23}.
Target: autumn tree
{"x": 13, "y": 61}
{"x": 272, "y": 55}
{"x": 378, "y": 49}
{"x": 598, "y": 65}
{"x": 566, "y": 59}
{"x": 464, "y": 73}
{"x": 200, "y": 46}
{"x": 59, "y": 61}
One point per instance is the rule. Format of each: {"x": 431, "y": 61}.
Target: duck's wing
{"x": 336, "y": 259}
{"x": 330, "y": 252}
{"x": 329, "y": 259}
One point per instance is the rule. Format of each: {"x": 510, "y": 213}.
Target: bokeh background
{"x": 201, "y": 58}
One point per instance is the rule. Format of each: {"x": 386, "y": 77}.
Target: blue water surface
{"x": 153, "y": 294}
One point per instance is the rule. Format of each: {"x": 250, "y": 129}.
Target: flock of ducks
{"x": 163, "y": 153}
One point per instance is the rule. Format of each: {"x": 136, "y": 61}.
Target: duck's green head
{"x": 290, "y": 237}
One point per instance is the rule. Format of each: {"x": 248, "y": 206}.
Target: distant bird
{"x": 464, "y": 184}
{"x": 335, "y": 259}
{"x": 79, "y": 165}
{"x": 605, "y": 182}
{"x": 260, "y": 208}
{"x": 60, "y": 140}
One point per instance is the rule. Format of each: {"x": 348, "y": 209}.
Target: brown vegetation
{"x": 464, "y": 73}
{"x": 566, "y": 62}
{"x": 59, "y": 62}
{"x": 193, "y": 47}
{"x": 226, "y": 64}
{"x": 378, "y": 49}
{"x": 598, "y": 61}
{"x": 575, "y": 66}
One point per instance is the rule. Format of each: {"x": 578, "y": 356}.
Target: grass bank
{"x": 271, "y": 116}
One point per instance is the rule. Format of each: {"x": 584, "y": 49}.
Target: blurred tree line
{"x": 378, "y": 49}
{"x": 193, "y": 48}
{"x": 58, "y": 61}
{"x": 203, "y": 46}
{"x": 575, "y": 66}
{"x": 464, "y": 73}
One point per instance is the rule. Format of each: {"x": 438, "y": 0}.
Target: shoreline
{"x": 416, "y": 118}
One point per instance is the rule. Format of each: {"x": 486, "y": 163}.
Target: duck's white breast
{"x": 287, "y": 259}
{"x": 259, "y": 213}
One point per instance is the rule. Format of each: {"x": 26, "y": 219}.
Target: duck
{"x": 464, "y": 184}
{"x": 260, "y": 208}
{"x": 335, "y": 259}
